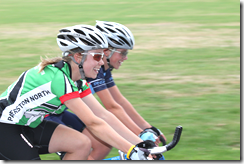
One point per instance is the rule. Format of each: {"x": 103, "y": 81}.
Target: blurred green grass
{"x": 184, "y": 69}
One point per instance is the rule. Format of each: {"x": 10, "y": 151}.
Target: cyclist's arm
{"x": 115, "y": 123}
{"x": 130, "y": 110}
{"x": 96, "y": 125}
{"x": 111, "y": 105}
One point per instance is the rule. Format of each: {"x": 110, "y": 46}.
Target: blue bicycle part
{"x": 118, "y": 158}
{"x": 115, "y": 158}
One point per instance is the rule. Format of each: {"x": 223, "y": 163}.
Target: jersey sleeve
{"x": 64, "y": 88}
{"x": 103, "y": 81}
{"x": 109, "y": 81}
{"x": 83, "y": 88}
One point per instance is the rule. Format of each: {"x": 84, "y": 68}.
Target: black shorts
{"x": 24, "y": 143}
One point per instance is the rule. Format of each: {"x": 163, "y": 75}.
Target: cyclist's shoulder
{"x": 59, "y": 71}
{"x": 82, "y": 84}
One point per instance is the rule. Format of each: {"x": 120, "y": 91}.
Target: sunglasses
{"x": 124, "y": 54}
{"x": 96, "y": 56}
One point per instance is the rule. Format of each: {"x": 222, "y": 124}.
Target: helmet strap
{"x": 108, "y": 59}
{"x": 80, "y": 65}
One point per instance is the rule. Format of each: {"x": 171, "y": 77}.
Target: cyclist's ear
{"x": 78, "y": 56}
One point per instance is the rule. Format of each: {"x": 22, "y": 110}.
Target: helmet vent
{"x": 64, "y": 30}
{"x": 125, "y": 31}
{"x": 88, "y": 28}
{"x": 120, "y": 31}
{"x": 63, "y": 44}
{"x": 61, "y": 37}
{"x": 114, "y": 41}
{"x": 101, "y": 29}
{"x": 86, "y": 42}
{"x": 80, "y": 32}
{"x": 110, "y": 30}
{"x": 100, "y": 37}
{"x": 91, "y": 41}
{"x": 94, "y": 38}
{"x": 121, "y": 41}
{"x": 124, "y": 40}
{"x": 72, "y": 38}
{"x": 108, "y": 24}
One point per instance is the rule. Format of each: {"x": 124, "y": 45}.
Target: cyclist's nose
{"x": 101, "y": 62}
{"x": 125, "y": 58}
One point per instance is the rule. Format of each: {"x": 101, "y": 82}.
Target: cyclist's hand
{"x": 137, "y": 153}
{"x": 155, "y": 132}
{"x": 158, "y": 139}
{"x": 148, "y": 136}
{"x": 148, "y": 144}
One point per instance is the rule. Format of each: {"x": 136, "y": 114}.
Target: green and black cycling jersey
{"x": 33, "y": 95}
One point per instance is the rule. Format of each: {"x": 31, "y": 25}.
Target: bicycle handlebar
{"x": 162, "y": 149}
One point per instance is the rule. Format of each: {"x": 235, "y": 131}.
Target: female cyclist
{"x": 120, "y": 40}
{"x": 50, "y": 87}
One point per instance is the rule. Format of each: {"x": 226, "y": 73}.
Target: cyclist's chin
{"x": 91, "y": 75}
{"x": 117, "y": 66}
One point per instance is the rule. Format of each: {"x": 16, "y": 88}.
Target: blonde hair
{"x": 48, "y": 61}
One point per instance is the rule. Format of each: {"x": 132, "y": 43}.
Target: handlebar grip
{"x": 176, "y": 138}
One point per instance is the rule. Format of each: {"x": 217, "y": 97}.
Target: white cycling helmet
{"x": 85, "y": 37}
{"x": 118, "y": 35}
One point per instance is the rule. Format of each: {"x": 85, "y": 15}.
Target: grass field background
{"x": 184, "y": 69}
